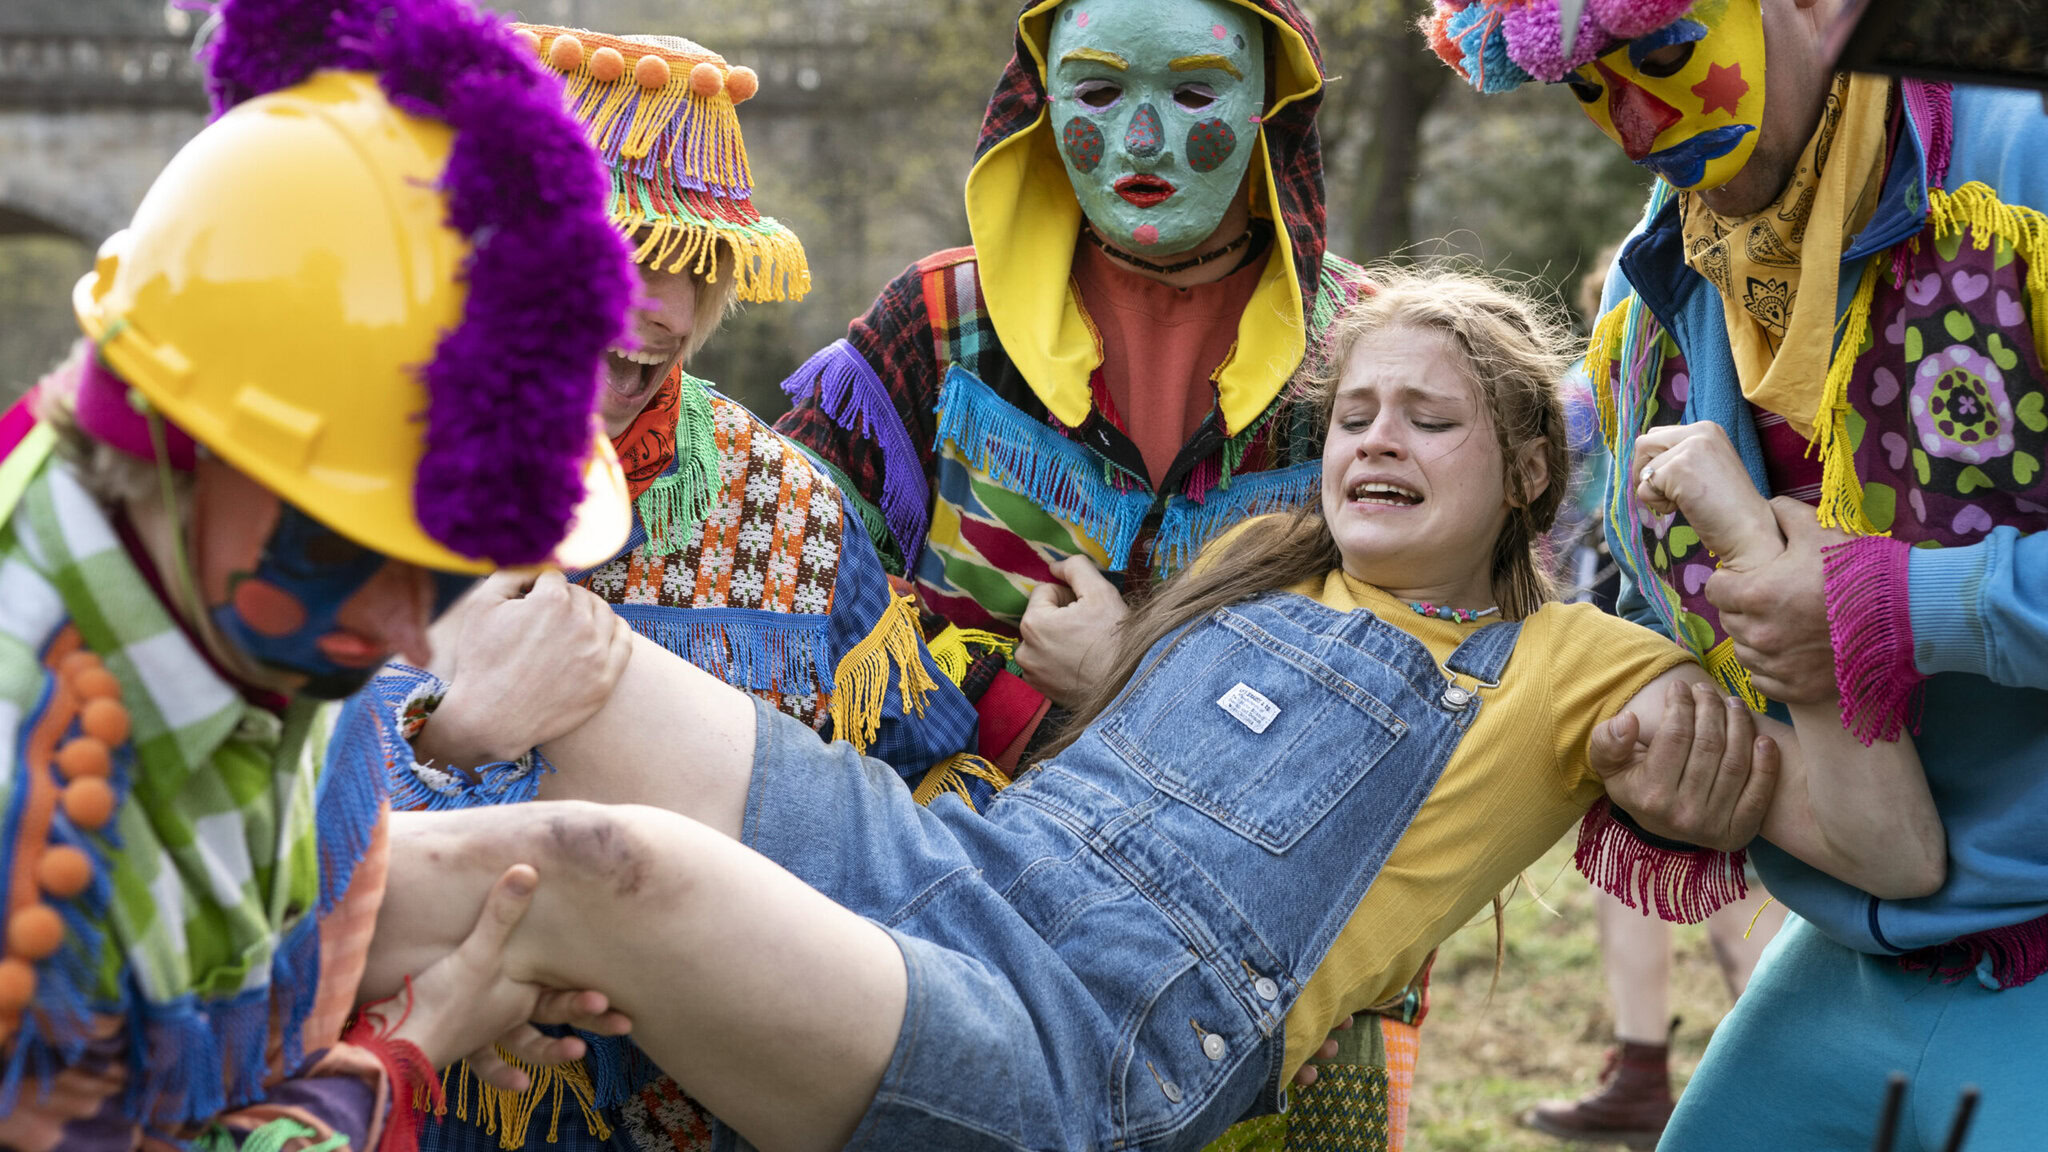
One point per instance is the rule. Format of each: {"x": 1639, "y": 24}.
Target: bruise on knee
{"x": 594, "y": 842}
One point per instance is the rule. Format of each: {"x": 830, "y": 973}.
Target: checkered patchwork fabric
{"x": 231, "y": 831}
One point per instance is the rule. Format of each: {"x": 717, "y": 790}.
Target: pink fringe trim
{"x": 1932, "y": 109}
{"x": 2019, "y": 955}
{"x": 1870, "y": 625}
{"x": 1681, "y": 887}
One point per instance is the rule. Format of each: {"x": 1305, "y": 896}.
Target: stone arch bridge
{"x": 96, "y": 95}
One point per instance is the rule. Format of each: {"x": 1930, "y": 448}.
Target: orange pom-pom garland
{"x": 607, "y": 65}
{"x": 706, "y": 79}
{"x": 34, "y": 932}
{"x": 89, "y": 802}
{"x": 651, "y": 72}
{"x": 741, "y": 83}
{"x": 17, "y": 988}
{"x": 84, "y": 758}
{"x": 566, "y": 53}
{"x": 105, "y": 719}
{"x": 63, "y": 871}
{"x": 95, "y": 684}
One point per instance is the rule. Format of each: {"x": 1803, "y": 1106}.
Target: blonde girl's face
{"x": 1414, "y": 488}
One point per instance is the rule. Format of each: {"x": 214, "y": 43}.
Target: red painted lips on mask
{"x": 1144, "y": 191}
{"x": 1639, "y": 116}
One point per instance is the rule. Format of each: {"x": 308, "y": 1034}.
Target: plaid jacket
{"x": 206, "y": 968}
{"x": 936, "y": 430}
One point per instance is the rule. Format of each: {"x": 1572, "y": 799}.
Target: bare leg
{"x": 1736, "y": 955}
{"x": 671, "y": 735}
{"x": 1636, "y": 951}
{"x": 775, "y": 1007}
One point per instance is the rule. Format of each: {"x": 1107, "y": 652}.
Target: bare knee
{"x": 605, "y": 850}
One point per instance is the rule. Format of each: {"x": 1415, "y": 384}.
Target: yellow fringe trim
{"x": 952, "y": 649}
{"x": 1973, "y": 207}
{"x": 1722, "y": 665}
{"x": 1602, "y": 350}
{"x": 1841, "y": 493}
{"x": 768, "y": 260}
{"x": 1976, "y": 207}
{"x": 952, "y": 774}
{"x": 861, "y": 682}
{"x": 508, "y": 1115}
{"x": 716, "y": 153}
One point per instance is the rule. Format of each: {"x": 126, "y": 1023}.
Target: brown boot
{"x": 1630, "y": 1106}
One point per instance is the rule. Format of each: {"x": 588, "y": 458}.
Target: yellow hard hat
{"x": 281, "y": 289}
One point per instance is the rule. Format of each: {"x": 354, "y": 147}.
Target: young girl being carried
{"x": 1135, "y": 944}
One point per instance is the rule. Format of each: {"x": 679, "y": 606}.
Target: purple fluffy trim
{"x": 855, "y": 398}
{"x": 511, "y": 389}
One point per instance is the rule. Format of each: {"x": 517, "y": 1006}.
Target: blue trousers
{"x": 1801, "y": 1062}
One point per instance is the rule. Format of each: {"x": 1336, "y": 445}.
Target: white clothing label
{"x": 1250, "y": 708}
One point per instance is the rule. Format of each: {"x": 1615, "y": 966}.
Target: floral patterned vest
{"x": 1937, "y": 410}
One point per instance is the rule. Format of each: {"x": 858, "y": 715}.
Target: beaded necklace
{"x": 1445, "y": 612}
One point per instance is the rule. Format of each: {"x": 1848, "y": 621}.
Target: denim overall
{"x": 1104, "y": 959}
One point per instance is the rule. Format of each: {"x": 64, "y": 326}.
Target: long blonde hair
{"x": 1515, "y": 348}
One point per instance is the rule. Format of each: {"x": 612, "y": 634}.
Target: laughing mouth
{"x": 1144, "y": 191}
{"x": 646, "y": 372}
{"x": 1384, "y": 494}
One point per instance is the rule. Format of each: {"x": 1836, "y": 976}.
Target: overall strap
{"x": 1484, "y": 654}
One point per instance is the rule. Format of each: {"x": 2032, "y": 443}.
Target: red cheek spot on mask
{"x": 269, "y": 610}
{"x": 1723, "y": 88}
{"x": 1145, "y": 234}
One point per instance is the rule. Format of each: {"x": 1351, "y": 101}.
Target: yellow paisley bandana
{"x": 1781, "y": 342}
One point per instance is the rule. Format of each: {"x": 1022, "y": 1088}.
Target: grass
{"x": 1542, "y": 1032}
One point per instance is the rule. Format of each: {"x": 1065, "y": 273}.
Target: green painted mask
{"x": 1157, "y": 105}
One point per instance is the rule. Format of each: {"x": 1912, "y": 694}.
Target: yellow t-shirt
{"x": 1518, "y": 780}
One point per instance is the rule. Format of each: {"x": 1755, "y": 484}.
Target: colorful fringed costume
{"x": 1927, "y": 443}
{"x": 747, "y": 561}
{"x": 968, "y": 409}
{"x": 970, "y": 415}
{"x": 210, "y": 881}
{"x": 744, "y": 559}
{"x": 192, "y": 865}
{"x": 1872, "y": 343}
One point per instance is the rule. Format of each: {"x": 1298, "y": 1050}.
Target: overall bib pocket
{"x": 1252, "y": 730}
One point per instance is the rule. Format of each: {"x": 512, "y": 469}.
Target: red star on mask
{"x": 1723, "y": 88}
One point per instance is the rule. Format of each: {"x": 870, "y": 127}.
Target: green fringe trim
{"x": 870, "y": 516}
{"x": 271, "y": 1137}
{"x": 674, "y": 505}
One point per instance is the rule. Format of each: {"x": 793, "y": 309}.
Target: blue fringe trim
{"x": 618, "y": 1069}
{"x": 857, "y": 400}
{"x": 196, "y": 1058}
{"x": 1029, "y": 457}
{"x": 500, "y": 782}
{"x": 1187, "y": 526}
{"x": 361, "y": 752}
{"x": 56, "y": 1032}
{"x": 295, "y": 983}
{"x": 745, "y": 647}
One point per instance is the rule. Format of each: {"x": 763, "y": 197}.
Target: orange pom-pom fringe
{"x": 607, "y": 65}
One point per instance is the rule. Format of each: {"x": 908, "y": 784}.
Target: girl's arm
{"x": 1863, "y": 815}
